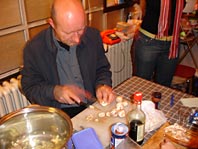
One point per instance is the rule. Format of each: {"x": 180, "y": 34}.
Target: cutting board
{"x": 103, "y": 125}
{"x": 157, "y": 138}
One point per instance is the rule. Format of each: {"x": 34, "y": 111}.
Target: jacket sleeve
{"x": 35, "y": 76}
{"x": 103, "y": 73}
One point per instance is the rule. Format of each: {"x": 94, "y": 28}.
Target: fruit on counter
{"x": 183, "y": 34}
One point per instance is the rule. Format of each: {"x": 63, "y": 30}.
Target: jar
{"x": 156, "y": 97}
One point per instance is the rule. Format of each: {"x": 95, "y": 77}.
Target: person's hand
{"x": 166, "y": 144}
{"x": 69, "y": 94}
{"x": 104, "y": 93}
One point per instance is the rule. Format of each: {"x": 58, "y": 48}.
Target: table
{"x": 147, "y": 87}
{"x": 126, "y": 89}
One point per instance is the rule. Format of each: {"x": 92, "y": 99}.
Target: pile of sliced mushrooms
{"x": 117, "y": 111}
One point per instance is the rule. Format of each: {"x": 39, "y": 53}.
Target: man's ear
{"x": 51, "y": 22}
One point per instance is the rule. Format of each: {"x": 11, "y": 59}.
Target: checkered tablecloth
{"x": 134, "y": 84}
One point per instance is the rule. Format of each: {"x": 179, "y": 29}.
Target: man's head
{"x": 68, "y": 21}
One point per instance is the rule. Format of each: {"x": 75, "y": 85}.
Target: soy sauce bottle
{"x": 136, "y": 120}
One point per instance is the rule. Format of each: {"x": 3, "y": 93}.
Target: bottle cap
{"x": 137, "y": 96}
{"x": 157, "y": 95}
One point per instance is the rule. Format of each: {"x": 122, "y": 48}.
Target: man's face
{"x": 70, "y": 38}
{"x": 69, "y": 32}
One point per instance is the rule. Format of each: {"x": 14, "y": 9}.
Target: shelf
{"x": 116, "y": 7}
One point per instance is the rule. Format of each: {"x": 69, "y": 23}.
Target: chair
{"x": 183, "y": 78}
{"x": 188, "y": 44}
{"x": 188, "y": 39}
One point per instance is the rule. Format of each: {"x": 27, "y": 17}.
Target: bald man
{"x": 65, "y": 64}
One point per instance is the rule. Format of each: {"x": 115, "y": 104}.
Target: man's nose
{"x": 76, "y": 37}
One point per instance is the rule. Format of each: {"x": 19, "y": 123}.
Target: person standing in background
{"x": 156, "y": 46}
{"x": 65, "y": 64}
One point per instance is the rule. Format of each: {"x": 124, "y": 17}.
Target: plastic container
{"x": 85, "y": 139}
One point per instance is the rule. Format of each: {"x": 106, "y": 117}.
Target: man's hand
{"x": 69, "y": 94}
{"x": 104, "y": 93}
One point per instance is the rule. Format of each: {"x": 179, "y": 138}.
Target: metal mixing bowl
{"x": 35, "y": 127}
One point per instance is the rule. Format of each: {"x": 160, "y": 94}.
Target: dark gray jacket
{"x": 40, "y": 74}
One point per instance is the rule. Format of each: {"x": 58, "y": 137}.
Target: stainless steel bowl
{"x": 35, "y": 127}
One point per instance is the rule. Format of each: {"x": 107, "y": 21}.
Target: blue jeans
{"x": 151, "y": 60}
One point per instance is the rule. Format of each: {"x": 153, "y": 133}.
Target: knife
{"x": 90, "y": 100}
{"x": 84, "y": 104}
{"x": 88, "y": 104}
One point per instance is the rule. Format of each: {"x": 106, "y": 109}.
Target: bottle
{"x": 129, "y": 18}
{"x": 136, "y": 120}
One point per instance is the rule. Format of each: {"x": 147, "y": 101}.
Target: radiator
{"x": 11, "y": 98}
{"x": 120, "y": 59}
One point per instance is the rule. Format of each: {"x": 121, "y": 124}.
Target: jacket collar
{"x": 51, "y": 44}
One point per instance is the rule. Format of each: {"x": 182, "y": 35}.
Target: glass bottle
{"x": 136, "y": 120}
{"x": 129, "y": 18}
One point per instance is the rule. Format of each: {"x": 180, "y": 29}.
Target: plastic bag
{"x": 154, "y": 118}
